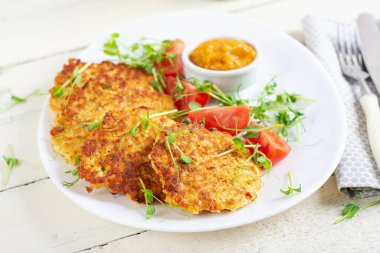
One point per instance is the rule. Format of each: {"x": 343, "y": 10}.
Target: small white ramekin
{"x": 227, "y": 80}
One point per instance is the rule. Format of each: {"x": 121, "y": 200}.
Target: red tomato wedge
{"x": 173, "y": 67}
{"x": 170, "y": 82}
{"x": 191, "y": 94}
{"x": 225, "y": 118}
{"x": 272, "y": 145}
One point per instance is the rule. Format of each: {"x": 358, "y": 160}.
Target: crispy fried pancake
{"x": 103, "y": 87}
{"x": 208, "y": 183}
{"x": 114, "y": 159}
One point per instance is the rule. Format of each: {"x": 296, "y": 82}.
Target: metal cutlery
{"x": 352, "y": 65}
{"x": 369, "y": 41}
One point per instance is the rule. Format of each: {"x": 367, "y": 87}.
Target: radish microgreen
{"x": 291, "y": 190}
{"x": 10, "y": 162}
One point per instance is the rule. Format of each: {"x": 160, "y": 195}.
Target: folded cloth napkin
{"x": 357, "y": 171}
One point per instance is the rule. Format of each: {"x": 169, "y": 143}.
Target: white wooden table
{"x": 37, "y": 37}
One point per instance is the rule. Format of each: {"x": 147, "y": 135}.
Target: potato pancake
{"x": 209, "y": 182}
{"x": 115, "y": 158}
{"x": 99, "y": 88}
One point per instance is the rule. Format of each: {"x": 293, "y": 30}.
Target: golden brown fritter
{"x": 102, "y": 87}
{"x": 208, "y": 183}
{"x": 115, "y": 159}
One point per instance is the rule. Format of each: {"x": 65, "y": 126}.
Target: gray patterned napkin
{"x": 357, "y": 170}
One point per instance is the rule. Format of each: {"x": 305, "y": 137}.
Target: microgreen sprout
{"x": 74, "y": 80}
{"x": 149, "y": 199}
{"x": 291, "y": 190}
{"x": 238, "y": 143}
{"x": 194, "y": 106}
{"x": 216, "y": 93}
{"x": 273, "y": 107}
{"x": 145, "y": 122}
{"x": 10, "y": 162}
{"x": 351, "y": 209}
{"x": 20, "y": 100}
{"x": 258, "y": 157}
{"x": 170, "y": 139}
{"x": 91, "y": 125}
{"x": 143, "y": 54}
{"x": 73, "y": 172}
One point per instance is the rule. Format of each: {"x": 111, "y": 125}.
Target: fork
{"x": 352, "y": 65}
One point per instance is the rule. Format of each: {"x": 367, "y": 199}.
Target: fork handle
{"x": 370, "y": 105}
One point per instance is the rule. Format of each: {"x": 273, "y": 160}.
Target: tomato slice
{"x": 170, "y": 82}
{"x": 173, "y": 67}
{"x": 225, "y": 119}
{"x": 272, "y": 145}
{"x": 191, "y": 94}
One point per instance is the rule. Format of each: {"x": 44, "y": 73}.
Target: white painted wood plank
{"x": 18, "y": 126}
{"x": 287, "y": 15}
{"x": 38, "y": 218}
{"x": 305, "y": 228}
{"x": 34, "y": 28}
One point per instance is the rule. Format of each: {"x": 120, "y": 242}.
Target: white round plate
{"x": 312, "y": 160}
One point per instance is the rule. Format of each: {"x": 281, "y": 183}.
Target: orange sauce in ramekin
{"x": 223, "y": 54}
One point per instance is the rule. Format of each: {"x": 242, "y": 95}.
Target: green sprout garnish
{"x": 291, "y": 190}
{"x": 20, "y": 100}
{"x": 95, "y": 125}
{"x": 170, "y": 140}
{"x": 73, "y": 172}
{"x": 145, "y": 123}
{"x": 258, "y": 157}
{"x": 10, "y": 162}
{"x": 351, "y": 209}
{"x": 194, "y": 106}
{"x": 216, "y": 93}
{"x": 91, "y": 125}
{"x": 143, "y": 54}
{"x": 149, "y": 199}
{"x": 238, "y": 143}
{"x": 280, "y": 108}
{"x": 74, "y": 80}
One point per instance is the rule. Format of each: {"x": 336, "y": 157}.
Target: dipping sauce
{"x": 223, "y": 54}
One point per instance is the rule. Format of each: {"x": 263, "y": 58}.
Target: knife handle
{"x": 370, "y": 105}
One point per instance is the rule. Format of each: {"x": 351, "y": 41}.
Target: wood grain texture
{"x": 18, "y": 126}
{"x": 48, "y": 27}
{"x": 38, "y": 218}
{"x": 307, "y": 227}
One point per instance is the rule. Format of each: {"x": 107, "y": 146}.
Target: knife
{"x": 369, "y": 35}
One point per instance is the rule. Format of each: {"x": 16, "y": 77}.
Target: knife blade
{"x": 369, "y": 35}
